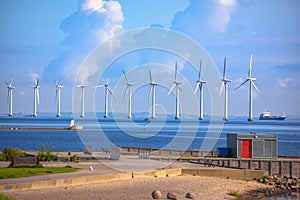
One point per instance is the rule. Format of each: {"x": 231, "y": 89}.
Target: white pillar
{"x": 201, "y": 102}
{"x": 106, "y": 103}
{"x": 129, "y": 103}
{"x": 82, "y": 102}
{"x": 153, "y": 102}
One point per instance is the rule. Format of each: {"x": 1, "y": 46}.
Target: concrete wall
{"x": 223, "y": 173}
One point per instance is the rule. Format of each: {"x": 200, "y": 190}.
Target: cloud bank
{"x": 92, "y": 23}
{"x": 208, "y": 16}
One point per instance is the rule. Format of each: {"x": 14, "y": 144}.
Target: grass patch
{"x": 233, "y": 193}
{"x": 19, "y": 172}
{"x": 6, "y": 197}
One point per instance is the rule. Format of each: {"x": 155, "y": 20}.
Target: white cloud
{"x": 33, "y": 75}
{"x": 94, "y": 22}
{"x": 93, "y": 5}
{"x": 283, "y": 83}
{"x": 205, "y": 17}
{"x": 222, "y": 12}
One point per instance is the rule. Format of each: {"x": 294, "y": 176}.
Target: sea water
{"x": 170, "y": 134}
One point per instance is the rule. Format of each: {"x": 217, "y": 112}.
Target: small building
{"x": 252, "y": 145}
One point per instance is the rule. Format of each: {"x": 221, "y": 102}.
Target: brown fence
{"x": 271, "y": 167}
{"x": 27, "y": 160}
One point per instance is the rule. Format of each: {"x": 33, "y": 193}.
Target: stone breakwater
{"x": 279, "y": 185}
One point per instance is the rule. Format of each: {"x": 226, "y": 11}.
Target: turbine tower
{"x": 199, "y": 85}
{"x": 177, "y": 85}
{"x": 57, "y": 96}
{"x": 152, "y": 94}
{"x": 82, "y": 86}
{"x": 251, "y": 82}
{"x": 36, "y": 96}
{"x": 129, "y": 89}
{"x": 107, "y": 90}
{"x": 225, "y": 87}
{"x": 10, "y": 87}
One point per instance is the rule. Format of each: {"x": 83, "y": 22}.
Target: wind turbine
{"x": 225, "y": 87}
{"x": 177, "y": 85}
{"x": 57, "y": 96}
{"x": 10, "y": 87}
{"x": 152, "y": 93}
{"x": 199, "y": 85}
{"x": 251, "y": 82}
{"x": 36, "y": 96}
{"x": 82, "y": 86}
{"x": 129, "y": 89}
{"x": 107, "y": 90}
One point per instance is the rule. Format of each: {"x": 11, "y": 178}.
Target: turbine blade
{"x": 250, "y": 66}
{"x": 111, "y": 93}
{"x": 97, "y": 86}
{"x": 107, "y": 82}
{"x": 224, "y": 70}
{"x": 11, "y": 82}
{"x": 255, "y": 87}
{"x": 171, "y": 89}
{"x": 125, "y": 76}
{"x": 35, "y": 81}
{"x": 150, "y": 75}
{"x": 180, "y": 88}
{"x": 125, "y": 93}
{"x": 197, "y": 86}
{"x": 200, "y": 68}
{"x": 7, "y": 84}
{"x": 221, "y": 89}
{"x": 55, "y": 83}
{"x": 59, "y": 80}
{"x": 150, "y": 93}
{"x": 241, "y": 84}
{"x": 38, "y": 81}
{"x": 175, "y": 71}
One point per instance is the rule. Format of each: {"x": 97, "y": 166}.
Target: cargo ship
{"x": 266, "y": 115}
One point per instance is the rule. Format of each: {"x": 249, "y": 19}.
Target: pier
{"x": 280, "y": 166}
{"x": 40, "y": 128}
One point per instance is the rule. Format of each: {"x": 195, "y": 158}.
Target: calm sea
{"x": 170, "y": 134}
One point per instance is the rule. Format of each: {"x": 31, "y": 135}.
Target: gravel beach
{"x": 202, "y": 187}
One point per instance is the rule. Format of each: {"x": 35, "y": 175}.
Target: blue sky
{"x": 51, "y": 39}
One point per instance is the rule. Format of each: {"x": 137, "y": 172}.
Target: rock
{"x": 190, "y": 195}
{"x": 156, "y": 194}
{"x": 172, "y": 195}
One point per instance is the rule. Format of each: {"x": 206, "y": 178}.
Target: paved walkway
{"x": 125, "y": 164}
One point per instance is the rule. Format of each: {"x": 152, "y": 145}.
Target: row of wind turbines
{"x": 152, "y": 95}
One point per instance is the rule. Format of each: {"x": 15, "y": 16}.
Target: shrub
{"x": 233, "y": 193}
{"x": 9, "y": 153}
{"x": 45, "y": 154}
{"x": 74, "y": 158}
{"x": 6, "y": 197}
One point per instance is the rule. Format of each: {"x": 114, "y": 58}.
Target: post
{"x": 291, "y": 168}
{"x": 249, "y": 164}
{"x": 270, "y": 168}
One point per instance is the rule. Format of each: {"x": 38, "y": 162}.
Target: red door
{"x": 246, "y": 149}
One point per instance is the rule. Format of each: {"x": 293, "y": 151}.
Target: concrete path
{"x": 125, "y": 164}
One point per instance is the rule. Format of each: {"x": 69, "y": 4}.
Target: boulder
{"x": 190, "y": 195}
{"x": 156, "y": 194}
{"x": 172, "y": 195}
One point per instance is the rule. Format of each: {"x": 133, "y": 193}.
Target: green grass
{"x": 233, "y": 193}
{"x": 6, "y": 197}
{"x": 27, "y": 171}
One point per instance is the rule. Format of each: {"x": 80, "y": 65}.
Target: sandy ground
{"x": 202, "y": 187}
